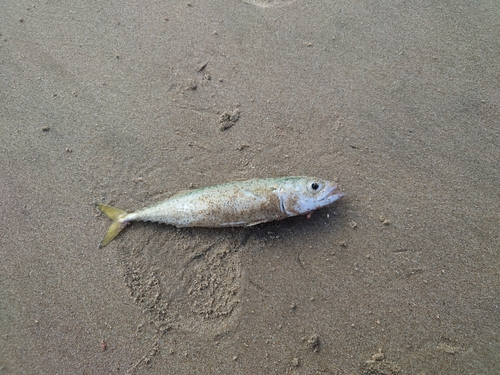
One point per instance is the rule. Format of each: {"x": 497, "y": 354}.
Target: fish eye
{"x": 314, "y": 187}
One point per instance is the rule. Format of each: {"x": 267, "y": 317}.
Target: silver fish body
{"x": 238, "y": 203}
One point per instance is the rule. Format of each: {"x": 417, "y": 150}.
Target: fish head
{"x": 302, "y": 195}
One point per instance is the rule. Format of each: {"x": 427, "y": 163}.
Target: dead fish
{"x": 238, "y": 203}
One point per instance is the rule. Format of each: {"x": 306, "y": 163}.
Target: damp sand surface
{"x": 126, "y": 105}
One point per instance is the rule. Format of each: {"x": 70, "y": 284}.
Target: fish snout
{"x": 334, "y": 192}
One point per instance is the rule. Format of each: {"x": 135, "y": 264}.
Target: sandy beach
{"x": 127, "y": 103}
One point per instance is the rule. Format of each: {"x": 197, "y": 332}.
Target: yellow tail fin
{"x": 114, "y": 214}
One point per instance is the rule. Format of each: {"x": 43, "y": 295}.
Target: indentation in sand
{"x": 183, "y": 279}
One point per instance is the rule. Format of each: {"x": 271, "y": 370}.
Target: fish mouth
{"x": 334, "y": 192}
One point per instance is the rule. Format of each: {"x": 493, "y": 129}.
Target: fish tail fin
{"x": 116, "y": 227}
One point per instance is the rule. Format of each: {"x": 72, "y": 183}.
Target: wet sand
{"x": 128, "y": 104}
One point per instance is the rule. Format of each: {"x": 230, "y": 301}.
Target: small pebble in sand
{"x": 378, "y": 356}
{"x": 202, "y": 66}
{"x": 383, "y": 220}
{"x": 191, "y": 85}
{"x": 448, "y": 348}
{"x": 312, "y": 342}
{"x": 228, "y": 119}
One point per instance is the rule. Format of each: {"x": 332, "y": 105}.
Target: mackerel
{"x": 238, "y": 203}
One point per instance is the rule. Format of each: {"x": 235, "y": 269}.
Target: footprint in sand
{"x": 190, "y": 280}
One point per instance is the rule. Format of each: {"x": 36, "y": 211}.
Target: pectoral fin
{"x": 256, "y": 223}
